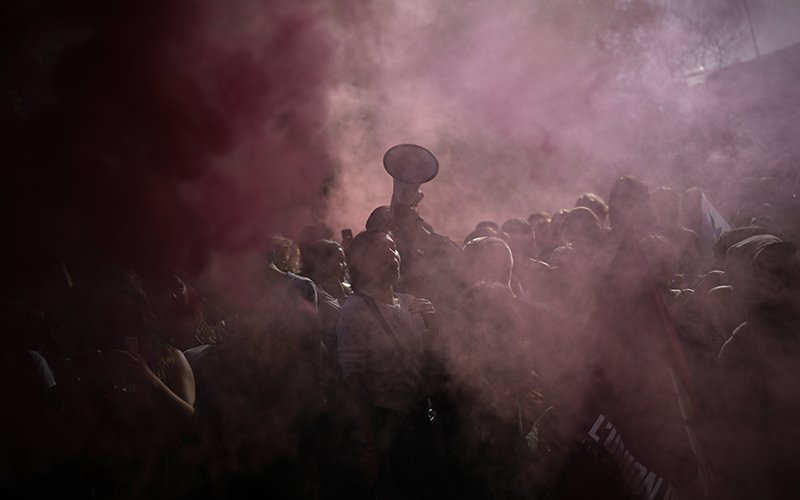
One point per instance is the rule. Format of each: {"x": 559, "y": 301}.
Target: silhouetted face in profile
{"x": 173, "y": 307}
{"x": 374, "y": 260}
{"x": 335, "y": 266}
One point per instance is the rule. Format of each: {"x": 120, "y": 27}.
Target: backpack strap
{"x": 388, "y": 329}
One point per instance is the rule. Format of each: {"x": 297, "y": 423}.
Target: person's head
{"x": 581, "y": 227}
{"x": 488, "y": 223}
{"x": 373, "y": 259}
{"x": 380, "y": 218}
{"x": 730, "y": 238}
{"x": 487, "y": 259}
{"x": 100, "y": 312}
{"x": 177, "y": 306}
{"x": 766, "y": 222}
{"x": 523, "y": 241}
{"x": 322, "y": 260}
{"x": 555, "y": 226}
{"x": 537, "y": 217}
{"x": 481, "y": 232}
{"x": 595, "y": 204}
{"x": 764, "y": 270}
{"x": 284, "y": 254}
{"x": 629, "y": 205}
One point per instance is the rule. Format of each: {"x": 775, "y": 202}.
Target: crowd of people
{"x": 403, "y": 364}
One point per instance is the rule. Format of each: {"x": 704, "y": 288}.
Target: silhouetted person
{"x": 530, "y": 277}
{"x": 430, "y": 260}
{"x": 134, "y": 392}
{"x": 324, "y": 263}
{"x": 383, "y": 337}
{"x": 498, "y": 402}
{"x": 578, "y": 267}
{"x": 760, "y": 365}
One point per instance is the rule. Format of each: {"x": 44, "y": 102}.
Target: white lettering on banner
{"x": 593, "y": 430}
{"x": 645, "y": 484}
{"x": 636, "y": 475}
{"x": 649, "y": 486}
{"x": 610, "y": 438}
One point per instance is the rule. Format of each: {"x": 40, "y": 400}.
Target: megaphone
{"x": 410, "y": 166}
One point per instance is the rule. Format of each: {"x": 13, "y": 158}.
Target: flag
{"x": 712, "y": 223}
{"x": 638, "y": 431}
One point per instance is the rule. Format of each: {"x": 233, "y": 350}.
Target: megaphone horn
{"x": 410, "y": 166}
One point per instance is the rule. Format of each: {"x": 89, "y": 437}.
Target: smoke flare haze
{"x": 190, "y": 133}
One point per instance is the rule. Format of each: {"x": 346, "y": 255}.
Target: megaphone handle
{"x": 396, "y": 204}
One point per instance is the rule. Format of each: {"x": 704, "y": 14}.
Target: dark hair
{"x": 732, "y": 237}
{"x": 593, "y": 203}
{"x": 537, "y": 217}
{"x": 91, "y": 298}
{"x": 582, "y": 224}
{"x": 488, "y": 223}
{"x": 629, "y": 191}
{"x": 490, "y": 257}
{"x": 517, "y": 225}
{"x": 359, "y": 251}
{"x": 380, "y": 218}
{"x": 316, "y": 254}
{"x": 481, "y": 232}
{"x": 630, "y": 204}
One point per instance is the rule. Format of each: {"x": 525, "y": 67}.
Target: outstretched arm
{"x": 174, "y": 399}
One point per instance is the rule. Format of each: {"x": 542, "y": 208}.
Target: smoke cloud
{"x": 187, "y": 133}
{"x": 204, "y": 127}
{"x": 528, "y": 105}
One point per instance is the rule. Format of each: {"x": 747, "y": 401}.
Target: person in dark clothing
{"x": 383, "y": 337}
{"x": 324, "y": 263}
{"x": 760, "y": 365}
{"x": 430, "y": 260}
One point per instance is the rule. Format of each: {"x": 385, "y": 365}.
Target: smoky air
{"x": 399, "y": 249}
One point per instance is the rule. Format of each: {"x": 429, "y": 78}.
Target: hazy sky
{"x": 776, "y": 23}
{"x": 213, "y": 124}
{"x": 528, "y": 105}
